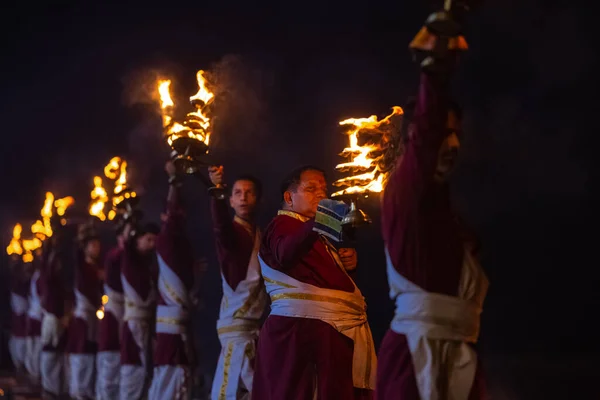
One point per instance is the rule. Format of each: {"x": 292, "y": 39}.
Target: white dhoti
{"x": 344, "y": 311}
{"x": 108, "y": 365}
{"x": 133, "y": 382}
{"x": 17, "y": 345}
{"x": 52, "y": 370}
{"x": 171, "y": 382}
{"x": 82, "y": 376}
{"x": 439, "y": 330}
{"x": 234, "y": 374}
{"x": 32, "y": 358}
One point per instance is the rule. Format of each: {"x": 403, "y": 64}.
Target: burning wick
{"x": 116, "y": 171}
{"x": 365, "y": 160}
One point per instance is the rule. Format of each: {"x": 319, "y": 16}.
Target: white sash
{"x": 135, "y": 306}
{"x": 18, "y": 304}
{"x": 35, "y": 306}
{"x": 115, "y": 304}
{"x": 437, "y": 328}
{"x": 249, "y": 298}
{"x": 87, "y": 312}
{"x": 344, "y": 311}
{"x": 172, "y": 317}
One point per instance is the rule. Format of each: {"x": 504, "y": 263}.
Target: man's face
{"x": 146, "y": 243}
{"x": 449, "y": 150}
{"x": 92, "y": 249}
{"x": 310, "y": 191}
{"x": 243, "y": 199}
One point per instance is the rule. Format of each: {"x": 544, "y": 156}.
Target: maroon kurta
{"x": 234, "y": 241}
{"x": 19, "y": 285}
{"x": 108, "y": 327}
{"x": 53, "y": 294}
{"x": 137, "y": 270}
{"x": 175, "y": 249}
{"x": 420, "y": 232}
{"x": 88, "y": 284}
{"x": 289, "y": 348}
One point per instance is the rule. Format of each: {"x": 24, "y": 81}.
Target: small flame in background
{"x": 15, "y": 247}
{"x": 197, "y": 124}
{"x": 116, "y": 171}
{"x": 41, "y": 229}
{"x": 364, "y": 161}
{"x": 100, "y": 311}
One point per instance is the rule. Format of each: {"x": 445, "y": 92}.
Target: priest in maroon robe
{"x": 173, "y": 353}
{"x": 316, "y": 340}
{"x": 244, "y": 296}
{"x": 108, "y": 359}
{"x": 55, "y": 321}
{"x": 82, "y": 343}
{"x": 140, "y": 306}
{"x": 34, "y": 323}
{"x": 434, "y": 277}
{"x": 20, "y": 277}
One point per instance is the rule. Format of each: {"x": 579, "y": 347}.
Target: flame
{"x": 198, "y": 122}
{"x": 99, "y": 199}
{"x": 104, "y": 299}
{"x": 363, "y": 165}
{"x": 111, "y": 170}
{"x": 100, "y": 313}
{"x": 121, "y": 185}
{"x": 15, "y": 247}
{"x": 61, "y": 205}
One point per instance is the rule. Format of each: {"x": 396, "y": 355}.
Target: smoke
{"x": 240, "y": 110}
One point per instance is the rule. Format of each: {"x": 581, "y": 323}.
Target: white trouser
{"x": 133, "y": 382}
{"x": 171, "y": 382}
{"x": 82, "y": 374}
{"x": 17, "y": 346}
{"x": 52, "y": 370}
{"x": 108, "y": 365}
{"x": 32, "y": 358}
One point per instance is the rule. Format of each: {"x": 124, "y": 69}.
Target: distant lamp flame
{"x": 104, "y": 299}
{"x": 99, "y": 199}
{"x": 366, "y": 174}
{"x": 15, "y": 247}
{"x": 100, "y": 313}
{"x": 61, "y": 205}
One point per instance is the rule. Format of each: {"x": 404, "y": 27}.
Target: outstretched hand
{"x": 349, "y": 258}
{"x": 215, "y": 173}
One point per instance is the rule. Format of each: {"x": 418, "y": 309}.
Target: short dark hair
{"x": 255, "y": 181}
{"x": 292, "y": 180}
{"x": 149, "y": 227}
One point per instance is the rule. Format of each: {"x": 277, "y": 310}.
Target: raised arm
{"x": 288, "y": 242}
{"x": 415, "y": 170}
{"x": 219, "y": 210}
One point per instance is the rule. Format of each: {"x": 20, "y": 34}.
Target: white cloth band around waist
{"x": 171, "y": 319}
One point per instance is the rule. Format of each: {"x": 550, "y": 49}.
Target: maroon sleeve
{"x": 222, "y": 223}
{"x": 415, "y": 170}
{"x": 52, "y": 288}
{"x": 112, "y": 270}
{"x": 286, "y": 243}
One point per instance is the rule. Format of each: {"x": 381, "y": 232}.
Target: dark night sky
{"x": 68, "y": 104}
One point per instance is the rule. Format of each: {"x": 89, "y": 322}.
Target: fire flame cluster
{"x": 41, "y": 229}
{"x": 115, "y": 171}
{"x": 367, "y": 138}
{"x": 197, "y": 123}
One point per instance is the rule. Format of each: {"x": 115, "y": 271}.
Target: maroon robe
{"x": 88, "y": 284}
{"x": 234, "y": 241}
{"x": 53, "y": 295}
{"x": 108, "y": 327}
{"x": 175, "y": 249}
{"x": 289, "y": 348}
{"x": 137, "y": 270}
{"x": 33, "y": 327}
{"x": 421, "y": 234}
{"x": 19, "y": 285}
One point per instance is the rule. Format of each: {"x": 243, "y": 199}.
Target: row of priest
{"x": 315, "y": 342}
